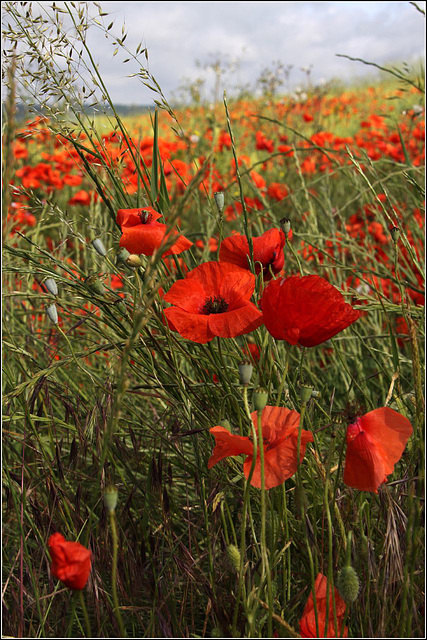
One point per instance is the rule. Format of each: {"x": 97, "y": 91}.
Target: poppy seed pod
{"x": 52, "y": 313}
{"x": 260, "y": 398}
{"x": 395, "y": 234}
{"x": 122, "y": 255}
{"x": 245, "y": 372}
{"x": 219, "y": 200}
{"x": 305, "y": 393}
{"x": 51, "y": 286}
{"x": 110, "y": 498}
{"x": 96, "y": 285}
{"x": 98, "y": 245}
{"x": 286, "y": 225}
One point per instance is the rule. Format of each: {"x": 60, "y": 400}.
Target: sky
{"x": 254, "y": 34}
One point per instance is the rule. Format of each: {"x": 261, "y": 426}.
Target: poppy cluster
{"x": 71, "y": 561}
{"x": 280, "y": 441}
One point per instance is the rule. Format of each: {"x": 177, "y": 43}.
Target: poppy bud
{"x": 51, "y": 286}
{"x": 286, "y": 225}
{"x": 225, "y": 423}
{"x": 133, "y": 260}
{"x": 122, "y": 255}
{"x": 305, "y": 393}
{"x": 234, "y": 556}
{"x": 52, "y": 313}
{"x": 395, "y": 234}
{"x": 260, "y": 398}
{"x": 219, "y": 200}
{"x": 110, "y": 498}
{"x": 348, "y": 584}
{"x": 245, "y": 372}
{"x": 98, "y": 245}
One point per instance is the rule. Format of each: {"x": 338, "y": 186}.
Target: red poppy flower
{"x": 70, "y": 561}
{"x": 306, "y": 310}
{"x": 375, "y": 442}
{"x": 142, "y": 234}
{"x": 213, "y": 300}
{"x": 308, "y": 620}
{"x": 268, "y": 252}
{"x": 81, "y": 197}
{"x": 280, "y": 440}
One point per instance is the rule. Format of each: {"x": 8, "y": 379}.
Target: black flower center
{"x": 145, "y": 217}
{"x": 214, "y": 304}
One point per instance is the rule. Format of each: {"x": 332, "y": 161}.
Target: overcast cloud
{"x": 297, "y": 33}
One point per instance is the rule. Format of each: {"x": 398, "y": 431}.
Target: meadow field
{"x": 213, "y": 330}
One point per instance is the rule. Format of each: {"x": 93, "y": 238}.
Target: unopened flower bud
{"x": 52, "y": 313}
{"x": 133, "y": 260}
{"x": 260, "y": 398}
{"x": 225, "y": 423}
{"x": 234, "y": 556}
{"x": 98, "y": 245}
{"x": 219, "y": 200}
{"x": 110, "y": 498}
{"x": 51, "y": 286}
{"x": 286, "y": 225}
{"x": 348, "y": 584}
{"x": 245, "y": 372}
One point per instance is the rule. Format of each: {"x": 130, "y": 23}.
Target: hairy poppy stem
{"x": 265, "y": 563}
{"x": 303, "y": 513}
{"x": 245, "y": 511}
{"x": 117, "y": 613}
{"x": 85, "y": 615}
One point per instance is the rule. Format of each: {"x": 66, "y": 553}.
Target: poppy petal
{"x": 234, "y": 323}
{"x": 191, "y": 326}
{"x": 227, "y": 444}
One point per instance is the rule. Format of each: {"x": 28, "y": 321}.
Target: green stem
{"x": 303, "y": 514}
{"x": 85, "y": 614}
{"x": 117, "y": 613}
{"x": 265, "y": 563}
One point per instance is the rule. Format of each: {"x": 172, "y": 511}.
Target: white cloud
{"x": 297, "y": 33}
